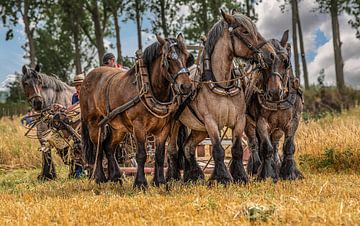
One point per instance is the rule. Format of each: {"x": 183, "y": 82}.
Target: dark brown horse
{"x": 42, "y": 91}
{"x": 220, "y": 100}
{"x": 105, "y": 89}
{"x": 271, "y": 114}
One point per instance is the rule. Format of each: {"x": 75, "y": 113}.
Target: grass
{"x": 328, "y": 151}
{"x": 330, "y": 199}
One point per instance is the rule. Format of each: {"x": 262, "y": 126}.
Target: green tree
{"x": 165, "y": 17}
{"x": 16, "y": 91}
{"x": 30, "y": 11}
{"x": 135, "y": 10}
{"x": 203, "y": 14}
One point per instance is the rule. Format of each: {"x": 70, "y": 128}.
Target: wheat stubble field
{"x": 328, "y": 155}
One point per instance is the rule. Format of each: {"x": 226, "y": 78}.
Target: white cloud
{"x": 272, "y": 23}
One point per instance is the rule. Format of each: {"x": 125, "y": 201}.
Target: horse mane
{"x": 53, "y": 83}
{"x": 153, "y": 51}
{"x": 217, "y": 31}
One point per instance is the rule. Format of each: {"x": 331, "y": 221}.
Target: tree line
{"x": 67, "y": 36}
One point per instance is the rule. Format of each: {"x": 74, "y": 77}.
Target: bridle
{"x": 36, "y": 94}
{"x": 256, "y": 50}
{"x": 183, "y": 69}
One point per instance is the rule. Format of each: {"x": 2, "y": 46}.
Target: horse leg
{"x": 159, "y": 177}
{"x": 288, "y": 170}
{"x": 220, "y": 172}
{"x": 48, "y": 170}
{"x": 173, "y": 172}
{"x": 140, "y": 179}
{"x": 99, "y": 170}
{"x": 237, "y": 167}
{"x": 275, "y": 139}
{"x": 192, "y": 171}
{"x": 110, "y": 146}
{"x": 254, "y": 160}
{"x": 267, "y": 168}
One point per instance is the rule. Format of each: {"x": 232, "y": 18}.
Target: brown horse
{"x": 42, "y": 91}
{"x": 105, "y": 89}
{"x": 220, "y": 101}
{"x": 271, "y": 114}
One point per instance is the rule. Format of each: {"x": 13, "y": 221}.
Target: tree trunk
{"x": 118, "y": 41}
{"x": 302, "y": 50}
{"x": 247, "y": 8}
{"x": 163, "y": 19}
{"x": 99, "y": 36}
{"x": 138, "y": 22}
{"x": 294, "y": 35}
{"x": 339, "y": 64}
{"x": 77, "y": 58}
{"x": 29, "y": 34}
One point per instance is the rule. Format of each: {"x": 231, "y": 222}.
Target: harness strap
{"x": 119, "y": 110}
{"x": 107, "y": 96}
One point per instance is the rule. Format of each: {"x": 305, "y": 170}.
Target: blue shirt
{"x": 75, "y": 98}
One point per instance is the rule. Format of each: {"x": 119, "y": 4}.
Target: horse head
{"x": 276, "y": 82}
{"x": 32, "y": 84}
{"x": 175, "y": 59}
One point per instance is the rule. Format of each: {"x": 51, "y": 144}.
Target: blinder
{"x": 174, "y": 56}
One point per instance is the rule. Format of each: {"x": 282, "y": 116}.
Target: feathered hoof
{"x": 289, "y": 171}
{"x": 173, "y": 174}
{"x": 267, "y": 170}
{"x": 238, "y": 172}
{"x": 140, "y": 184}
{"x": 193, "y": 175}
{"x": 46, "y": 177}
{"x": 254, "y": 164}
{"x": 221, "y": 175}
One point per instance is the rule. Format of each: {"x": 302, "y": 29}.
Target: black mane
{"x": 217, "y": 31}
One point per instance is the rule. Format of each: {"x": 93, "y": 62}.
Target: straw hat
{"x": 78, "y": 79}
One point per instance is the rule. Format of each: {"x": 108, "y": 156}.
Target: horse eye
{"x": 246, "y": 32}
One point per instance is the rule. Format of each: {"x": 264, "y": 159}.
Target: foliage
{"x": 203, "y": 14}
{"x": 16, "y": 91}
{"x": 351, "y": 7}
{"x": 166, "y": 17}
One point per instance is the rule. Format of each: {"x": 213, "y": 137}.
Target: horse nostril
{"x": 185, "y": 88}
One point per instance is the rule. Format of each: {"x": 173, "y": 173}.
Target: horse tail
{"x": 88, "y": 145}
{"x": 182, "y": 135}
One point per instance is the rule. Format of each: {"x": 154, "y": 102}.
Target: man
{"x": 110, "y": 61}
{"x": 78, "y": 79}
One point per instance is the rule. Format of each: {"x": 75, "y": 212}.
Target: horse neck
{"x": 221, "y": 58}
{"x": 159, "y": 85}
{"x": 63, "y": 97}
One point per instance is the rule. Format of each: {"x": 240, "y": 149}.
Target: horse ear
{"x": 37, "y": 68}
{"x": 160, "y": 40}
{"x": 190, "y": 60}
{"x": 234, "y": 11}
{"x": 24, "y": 70}
{"x": 180, "y": 38}
{"x": 230, "y": 19}
{"x": 284, "y": 38}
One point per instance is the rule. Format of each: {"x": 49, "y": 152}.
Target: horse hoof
{"x": 42, "y": 177}
{"x": 141, "y": 185}
{"x": 158, "y": 182}
{"x": 288, "y": 171}
{"x": 267, "y": 170}
{"x": 253, "y": 166}
{"x": 193, "y": 175}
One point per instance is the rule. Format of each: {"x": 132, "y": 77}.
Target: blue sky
{"x": 271, "y": 23}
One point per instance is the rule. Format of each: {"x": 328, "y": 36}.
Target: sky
{"x": 272, "y": 23}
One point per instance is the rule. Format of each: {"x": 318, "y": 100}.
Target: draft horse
{"x": 271, "y": 113}
{"x": 219, "y": 99}
{"x": 146, "y": 107}
{"x": 42, "y": 91}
